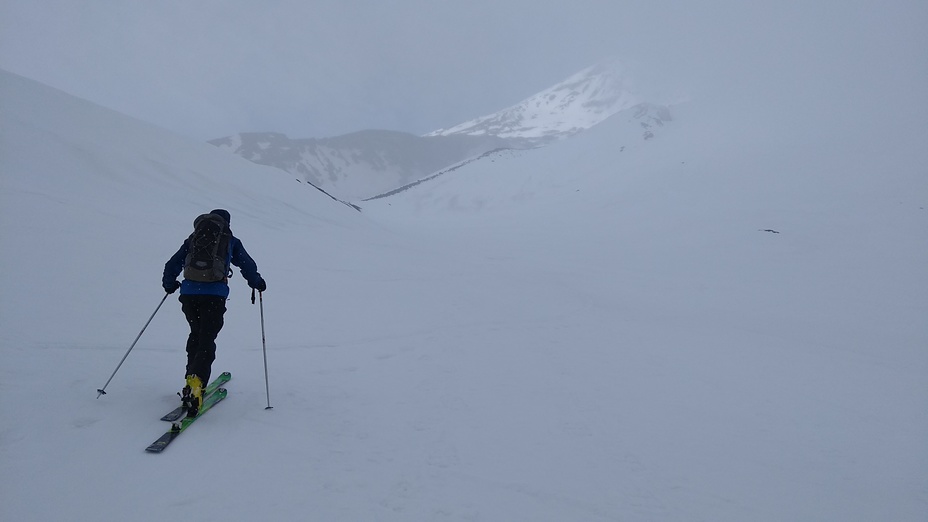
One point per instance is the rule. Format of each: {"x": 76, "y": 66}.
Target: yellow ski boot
{"x": 193, "y": 395}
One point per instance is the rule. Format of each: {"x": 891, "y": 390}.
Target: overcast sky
{"x": 319, "y": 68}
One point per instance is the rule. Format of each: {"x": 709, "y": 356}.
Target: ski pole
{"x": 267, "y": 385}
{"x": 102, "y": 391}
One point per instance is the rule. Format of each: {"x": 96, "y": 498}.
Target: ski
{"x": 178, "y": 427}
{"x": 178, "y": 412}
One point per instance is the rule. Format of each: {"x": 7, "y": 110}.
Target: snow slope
{"x": 598, "y": 330}
{"x": 359, "y": 164}
{"x": 579, "y": 102}
{"x": 364, "y": 164}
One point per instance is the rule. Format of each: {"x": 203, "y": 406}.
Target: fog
{"x": 312, "y": 69}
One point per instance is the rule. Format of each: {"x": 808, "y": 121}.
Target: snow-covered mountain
{"x": 606, "y": 328}
{"x": 637, "y": 123}
{"x": 360, "y": 164}
{"x": 579, "y": 102}
{"x": 369, "y": 163}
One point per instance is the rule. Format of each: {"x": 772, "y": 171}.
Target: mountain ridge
{"x": 370, "y": 163}
{"x": 577, "y": 103}
{"x": 359, "y": 164}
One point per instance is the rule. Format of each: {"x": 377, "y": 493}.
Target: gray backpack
{"x": 209, "y": 250}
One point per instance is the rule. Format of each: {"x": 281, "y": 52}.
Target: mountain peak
{"x": 577, "y": 103}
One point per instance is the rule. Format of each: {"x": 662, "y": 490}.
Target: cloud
{"x": 327, "y": 67}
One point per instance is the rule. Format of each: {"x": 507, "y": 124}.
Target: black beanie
{"x": 224, "y": 214}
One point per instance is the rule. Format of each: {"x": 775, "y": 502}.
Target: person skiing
{"x": 204, "y": 258}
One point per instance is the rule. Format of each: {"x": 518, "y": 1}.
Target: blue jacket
{"x": 240, "y": 258}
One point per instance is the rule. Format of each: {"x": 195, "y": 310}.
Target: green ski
{"x": 179, "y": 426}
{"x": 178, "y": 412}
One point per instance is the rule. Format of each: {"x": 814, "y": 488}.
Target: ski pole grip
{"x": 252, "y": 296}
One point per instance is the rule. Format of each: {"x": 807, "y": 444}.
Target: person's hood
{"x": 224, "y": 214}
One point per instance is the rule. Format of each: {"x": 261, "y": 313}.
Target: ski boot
{"x": 191, "y": 397}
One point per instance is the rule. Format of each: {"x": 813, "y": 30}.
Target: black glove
{"x": 172, "y": 287}
{"x": 260, "y": 285}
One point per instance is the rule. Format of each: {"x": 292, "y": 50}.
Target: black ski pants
{"x": 205, "y": 315}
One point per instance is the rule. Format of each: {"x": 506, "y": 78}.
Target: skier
{"x": 204, "y": 291}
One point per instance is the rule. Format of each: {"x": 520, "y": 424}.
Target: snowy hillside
{"x": 361, "y": 164}
{"x": 634, "y": 124}
{"x": 579, "y": 102}
{"x": 723, "y": 323}
{"x": 368, "y": 163}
